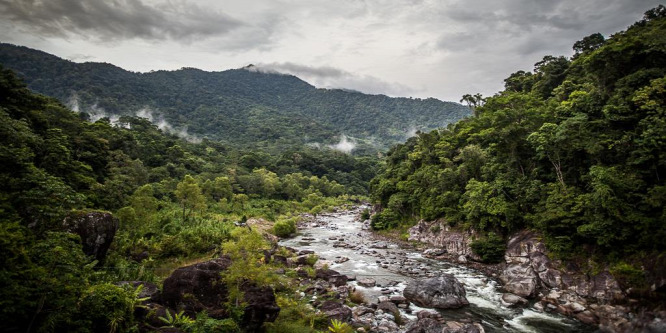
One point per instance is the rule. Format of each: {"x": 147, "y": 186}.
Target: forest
{"x": 575, "y": 150}
{"x": 243, "y": 107}
{"x": 176, "y": 202}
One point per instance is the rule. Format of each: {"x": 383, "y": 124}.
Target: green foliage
{"x": 574, "y": 150}
{"x": 245, "y": 250}
{"x": 179, "y": 319}
{"x": 385, "y": 219}
{"x": 365, "y": 214}
{"x": 108, "y": 307}
{"x": 338, "y": 326}
{"x": 491, "y": 249}
{"x": 205, "y": 324}
{"x": 284, "y": 228}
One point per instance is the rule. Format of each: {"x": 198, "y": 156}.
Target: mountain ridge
{"x": 234, "y": 105}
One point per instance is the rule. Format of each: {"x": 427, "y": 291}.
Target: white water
{"x": 482, "y": 292}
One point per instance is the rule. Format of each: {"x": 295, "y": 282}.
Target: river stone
{"x": 389, "y": 307}
{"x": 442, "y": 292}
{"x": 336, "y": 310}
{"x": 511, "y": 300}
{"x": 424, "y": 325}
{"x": 366, "y": 282}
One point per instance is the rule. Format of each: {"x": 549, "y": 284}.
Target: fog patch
{"x": 164, "y": 125}
{"x": 345, "y": 145}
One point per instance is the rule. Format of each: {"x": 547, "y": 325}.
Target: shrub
{"x": 108, "y": 307}
{"x": 491, "y": 249}
{"x": 357, "y": 297}
{"x": 365, "y": 214}
{"x": 284, "y": 228}
{"x": 385, "y": 219}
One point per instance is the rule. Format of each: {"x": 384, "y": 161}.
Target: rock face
{"x": 442, "y": 292}
{"x": 200, "y": 287}
{"x": 96, "y": 230}
{"x": 446, "y": 240}
{"x": 529, "y": 268}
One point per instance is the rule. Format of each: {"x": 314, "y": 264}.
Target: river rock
{"x": 442, "y": 292}
{"x": 333, "y": 277}
{"x": 511, "y": 300}
{"x": 389, "y": 307}
{"x": 336, "y": 310}
{"x": 96, "y": 230}
{"x": 434, "y": 252}
{"x": 366, "y": 282}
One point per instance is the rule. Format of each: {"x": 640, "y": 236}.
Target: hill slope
{"x": 240, "y": 106}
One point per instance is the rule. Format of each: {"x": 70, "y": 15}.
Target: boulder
{"x": 260, "y": 307}
{"x": 389, "y": 307}
{"x": 366, "y": 282}
{"x": 511, "y": 300}
{"x": 96, "y": 230}
{"x": 442, "y": 292}
{"x": 424, "y": 325}
{"x": 331, "y": 276}
{"x": 440, "y": 235}
{"x": 336, "y": 310}
{"x": 457, "y": 327}
{"x": 199, "y": 287}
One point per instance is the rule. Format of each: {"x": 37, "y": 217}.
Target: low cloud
{"x": 345, "y": 145}
{"x": 335, "y": 78}
{"x": 162, "y": 124}
{"x": 118, "y": 19}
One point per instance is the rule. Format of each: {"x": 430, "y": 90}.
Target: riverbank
{"x": 381, "y": 267}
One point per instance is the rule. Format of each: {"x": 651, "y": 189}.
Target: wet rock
{"x": 341, "y": 260}
{"x": 389, "y": 307}
{"x": 397, "y": 300}
{"x": 336, "y": 310}
{"x": 442, "y": 292}
{"x": 457, "y": 327}
{"x": 424, "y": 325}
{"x": 387, "y": 325}
{"x": 434, "y": 252}
{"x": 366, "y": 282}
{"x": 96, "y": 230}
{"x": 511, "y": 300}
{"x": 333, "y": 277}
{"x": 361, "y": 310}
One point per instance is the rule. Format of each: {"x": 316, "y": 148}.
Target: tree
{"x": 589, "y": 43}
{"x": 473, "y": 101}
{"x": 189, "y": 196}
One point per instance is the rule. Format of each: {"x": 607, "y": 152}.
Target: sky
{"x": 410, "y": 48}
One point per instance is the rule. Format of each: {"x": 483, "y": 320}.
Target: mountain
{"x": 240, "y": 106}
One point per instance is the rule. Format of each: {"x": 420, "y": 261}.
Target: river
{"x": 341, "y": 236}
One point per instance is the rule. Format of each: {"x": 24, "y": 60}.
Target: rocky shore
{"x": 529, "y": 275}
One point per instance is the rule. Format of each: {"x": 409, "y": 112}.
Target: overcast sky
{"x": 419, "y": 48}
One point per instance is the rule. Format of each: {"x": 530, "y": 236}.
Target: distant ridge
{"x": 240, "y": 106}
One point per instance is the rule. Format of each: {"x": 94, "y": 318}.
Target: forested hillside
{"x": 175, "y": 201}
{"x": 244, "y": 107}
{"x": 575, "y": 149}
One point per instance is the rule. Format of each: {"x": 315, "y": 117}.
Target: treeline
{"x": 243, "y": 107}
{"x": 175, "y": 201}
{"x": 575, "y": 149}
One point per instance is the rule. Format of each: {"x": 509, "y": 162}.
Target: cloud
{"x": 162, "y": 124}
{"x": 118, "y": 19}
{"x": 335, "y": 78}
{"x": 345, "y": 145}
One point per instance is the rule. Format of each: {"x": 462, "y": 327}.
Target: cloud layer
{"x": 420, "y": 48}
